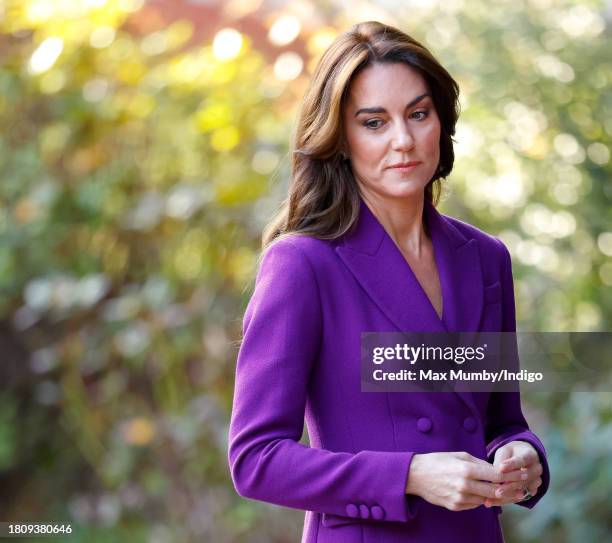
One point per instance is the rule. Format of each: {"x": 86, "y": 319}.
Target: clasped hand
{"x": 460, "y": 481}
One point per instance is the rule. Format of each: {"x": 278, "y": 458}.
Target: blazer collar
{"x": 379, "y": 266}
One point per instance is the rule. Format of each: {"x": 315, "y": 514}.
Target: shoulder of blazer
{"x": 318, "y": 253}
{"x": 490, "y": 246}
{"x": 310, "y": 247}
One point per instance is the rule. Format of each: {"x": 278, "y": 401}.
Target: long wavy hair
{"x": 323, "y": 196}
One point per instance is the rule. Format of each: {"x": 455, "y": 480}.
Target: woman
{"x": 359, "y": 246}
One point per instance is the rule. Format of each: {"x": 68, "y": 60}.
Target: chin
{"x": 408, "y": 190}
{"x": 399, "y": 188}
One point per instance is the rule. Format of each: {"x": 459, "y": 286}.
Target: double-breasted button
{"x": 352, "y": 511}
{"x": 364, "y": 511}
{"x": 424, "y": 424}
{"x": 469, "y": 423}
{"x": 377, "y": 512}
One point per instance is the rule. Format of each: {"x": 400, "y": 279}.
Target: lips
{"x": 404, "y": 165}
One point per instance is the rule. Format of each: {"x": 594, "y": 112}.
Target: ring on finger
{"x": 526, "y": 494}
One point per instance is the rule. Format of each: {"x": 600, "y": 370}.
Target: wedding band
{"x": 526, "y": 494}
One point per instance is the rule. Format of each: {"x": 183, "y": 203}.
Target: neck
{"x": 402, "y": 218}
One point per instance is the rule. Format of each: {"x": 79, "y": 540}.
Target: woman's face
{"x": 400, "y": 125}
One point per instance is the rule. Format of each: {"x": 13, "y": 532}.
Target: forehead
{"x": 381, "y": 84}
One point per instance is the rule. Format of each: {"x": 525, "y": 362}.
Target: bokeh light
{"x": 227, "y": 44}
{"x": 284, "y": 30}
{"x": 45, "y": 55}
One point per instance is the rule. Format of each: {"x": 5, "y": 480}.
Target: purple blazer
{"x": 300, "y": 360}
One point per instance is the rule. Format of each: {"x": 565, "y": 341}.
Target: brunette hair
{"x": 323, "y": 198}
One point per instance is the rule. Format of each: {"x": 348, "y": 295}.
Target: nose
{"x": 402, "y": 138}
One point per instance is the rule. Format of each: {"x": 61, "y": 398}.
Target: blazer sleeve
{"x": 282, "y": 331}
{"x": 505, "y": 421}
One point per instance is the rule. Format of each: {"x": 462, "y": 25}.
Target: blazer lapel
{"x": 379, "y": 266}
{"x": 459, "y": 268}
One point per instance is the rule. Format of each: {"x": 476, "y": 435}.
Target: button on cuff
{"x": 378, "y": 512}
{"x": 352, "y": 511}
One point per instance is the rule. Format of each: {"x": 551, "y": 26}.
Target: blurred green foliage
{"x": 135, "y": 178}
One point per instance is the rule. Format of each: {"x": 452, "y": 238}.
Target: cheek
{"x": 432, "y": 135}
{"x": 431, "y": 145}
{"x": 366, "y": 148}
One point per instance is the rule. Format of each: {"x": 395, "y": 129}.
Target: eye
{"x": 368, "y": 124}
{"x": 424, "y": 112}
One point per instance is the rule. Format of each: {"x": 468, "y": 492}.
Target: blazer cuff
{"x": 397, "y": 506}
{"x": 531, "y": 438}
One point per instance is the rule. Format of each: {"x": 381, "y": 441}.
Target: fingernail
{"x": 524, "y": 476}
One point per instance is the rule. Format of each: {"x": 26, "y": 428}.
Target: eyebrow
{"x": 383, "y": 110}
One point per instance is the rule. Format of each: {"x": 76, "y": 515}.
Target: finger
{"x": 525, "y": 478}
{"x": 481, "y": 488}
{"x": 515, "y": 497}
{"x": 515, "y": 476}
{"x": 534, "y": 485}
{"x": 501, "y": 454}
{"x": 483, "y": 471}
{"x": 528, "y": 491}
{"x": 523, "y": 459}
{"x": 515, "y": 492}
{"x": 508, "y": 489}
{"x": 536, "y": 470}
{"x": 524, "y": 474}
{"x": 533, "y": 472}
